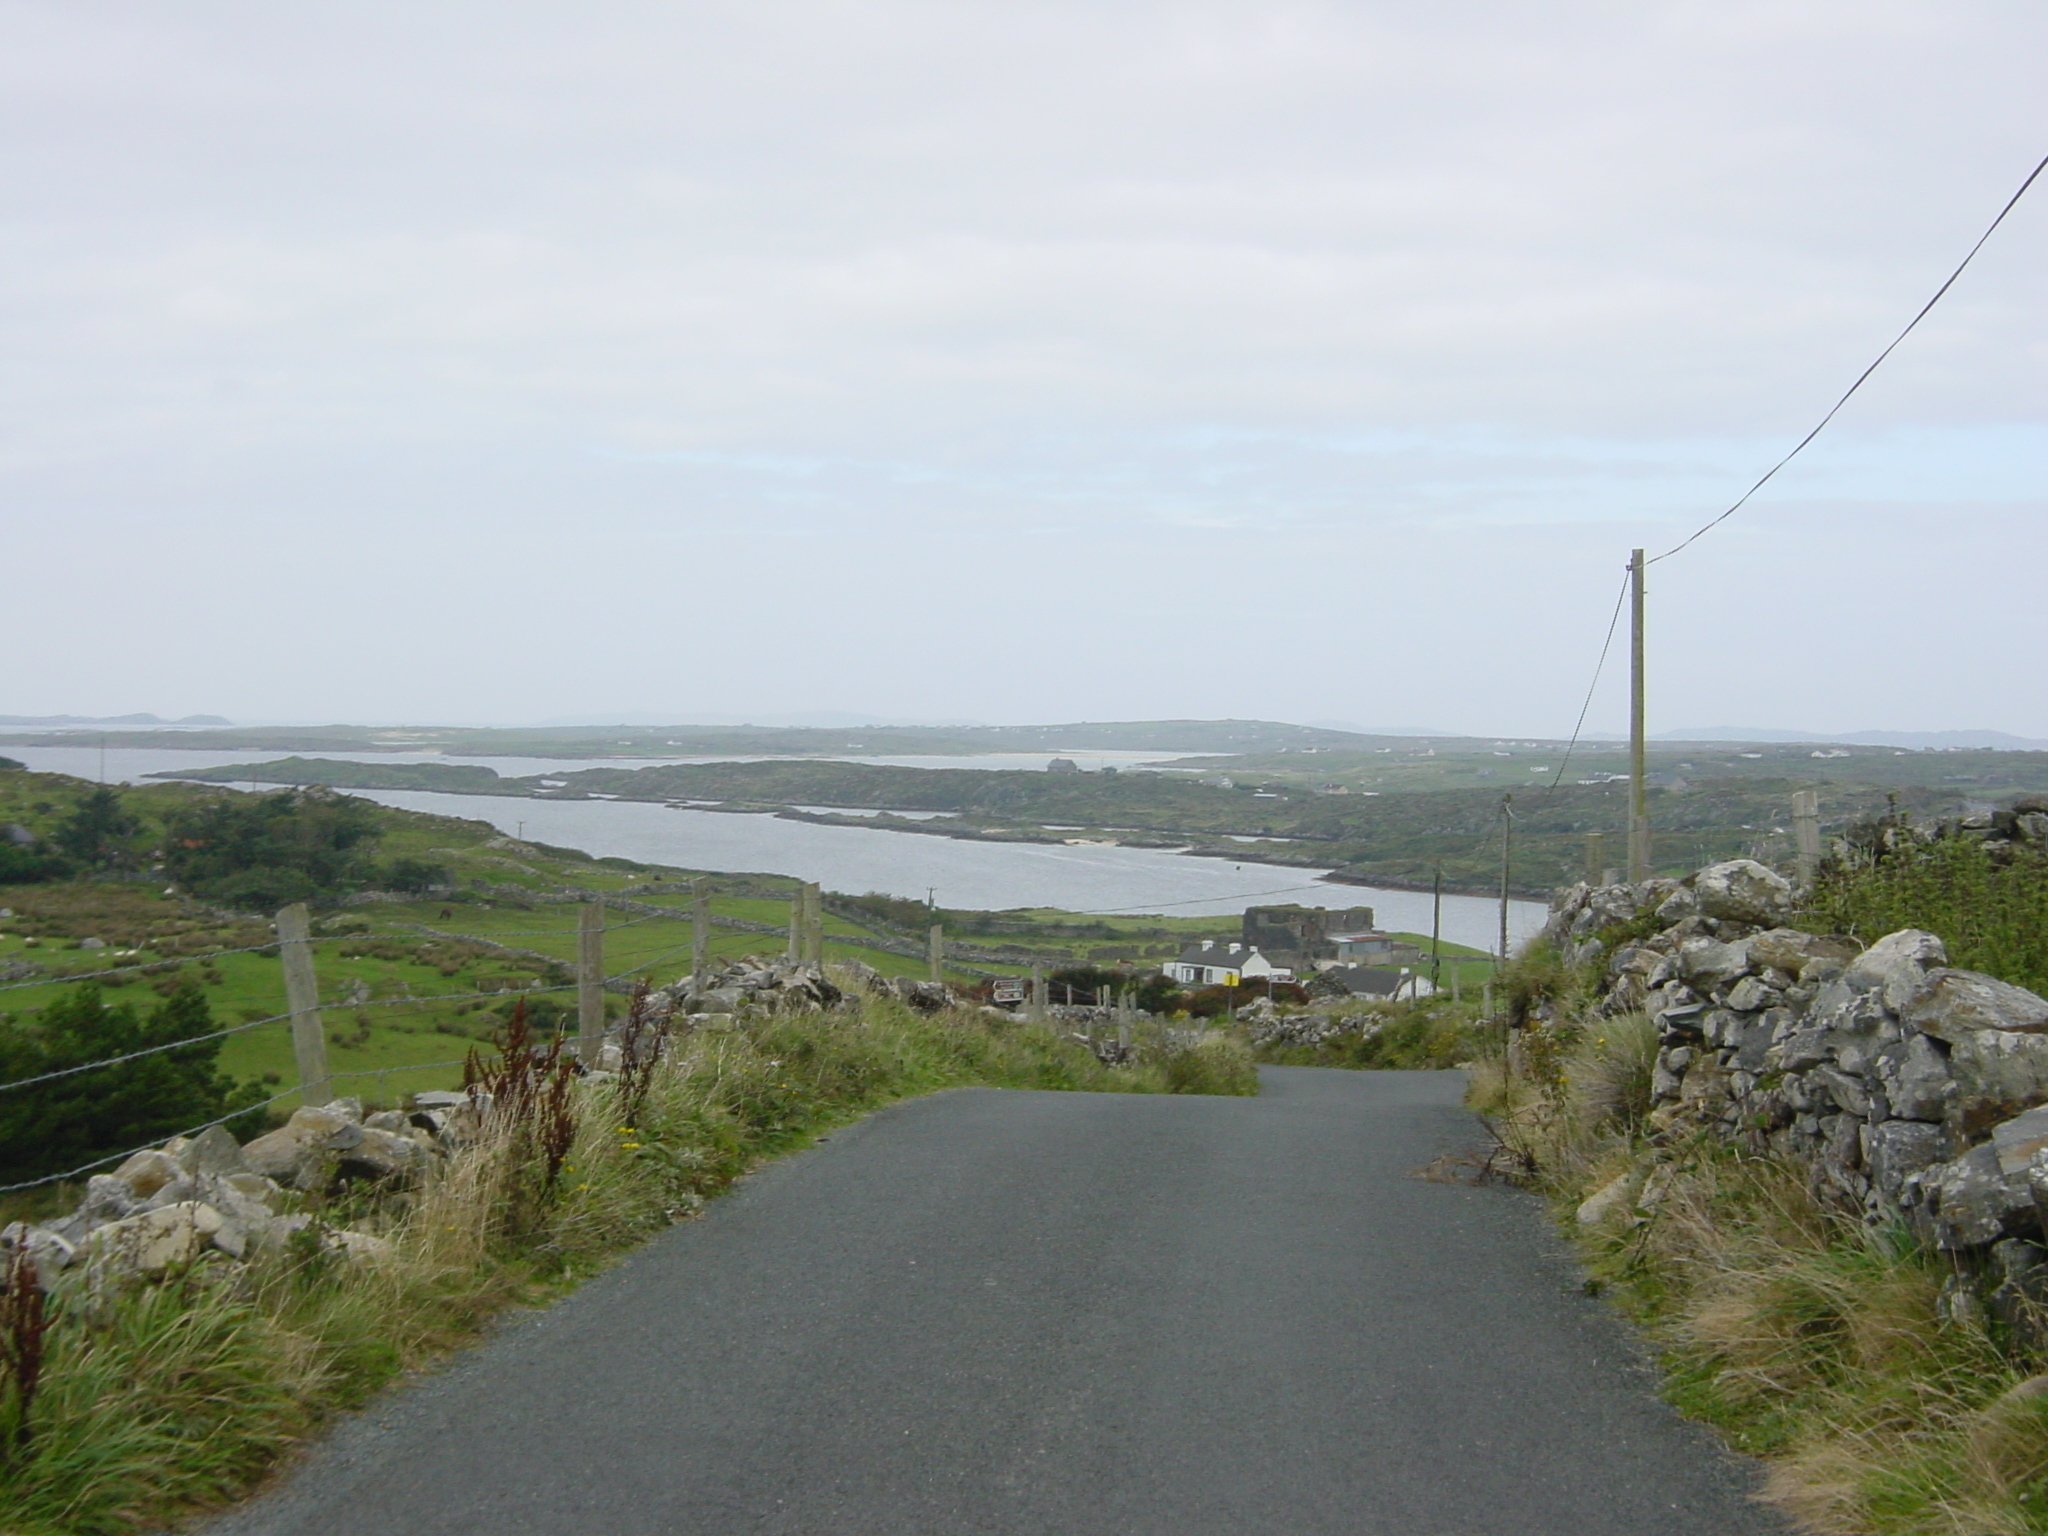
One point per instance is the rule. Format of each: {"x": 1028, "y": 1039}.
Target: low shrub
{"x": 1988, "y": 902}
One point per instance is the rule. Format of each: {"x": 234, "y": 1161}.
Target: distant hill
{"x": 2000, "y": 741}
{"x": 59, "y": 720}
{"x": 822, "y": 719}
{"x": 1354, "y": 729}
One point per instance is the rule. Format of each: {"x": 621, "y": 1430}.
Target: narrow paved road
{"x": 1039, "y": 1314}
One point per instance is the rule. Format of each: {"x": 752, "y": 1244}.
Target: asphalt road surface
{"x": 1049, "y": 1313}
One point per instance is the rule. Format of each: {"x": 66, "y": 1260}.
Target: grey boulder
{"x": 1895, "y": 1150}
{"x": 1997, "y": 1074}
{"x": 1790, "y": 951}
{"x": 1742, "y": 891}
{"x": 1898, "y": 962}
{"x": 1950, "y": 1004}
{"x": 1710, "y": 963}
{"x": 1974, "y": 1204}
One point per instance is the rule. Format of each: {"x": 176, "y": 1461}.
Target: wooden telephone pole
{"x": 1436, "y": 931}
{"x": 1507, "y": 842}
{"x": 1638, "y": 751}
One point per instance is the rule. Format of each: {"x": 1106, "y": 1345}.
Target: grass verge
{"x": 157, "y": 1399}
{"x": 1835, "y": 1351}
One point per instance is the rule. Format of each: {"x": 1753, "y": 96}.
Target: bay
{"x": 855, "y": 860}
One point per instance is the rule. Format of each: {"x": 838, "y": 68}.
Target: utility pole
{"x": 590, "y": 984}
{"x": 1507, "y": 840}
{"x": 1638, "y": 750}
{"x": 1436, "y": 930}
{"x": 302, "y": 997}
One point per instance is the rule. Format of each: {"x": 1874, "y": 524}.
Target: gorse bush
{"x": 1988, "y": 903}
{"x": 158, "y": 1397}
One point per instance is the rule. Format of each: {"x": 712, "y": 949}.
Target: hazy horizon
{"x": 834, "y": 720}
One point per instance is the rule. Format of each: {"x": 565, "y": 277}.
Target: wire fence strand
{"x": 122, "y": 1157}
{"x": 143, "y": 965}
{"x": 153, "y": 1050}
{"x": 329, "y": 938}
{"x": 378, "y": 1002}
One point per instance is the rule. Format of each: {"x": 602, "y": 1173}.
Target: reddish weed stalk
{"x": 24, "y": 1322}
{"x": 642, "y": 1040}
{"x": 529, "y": 1087}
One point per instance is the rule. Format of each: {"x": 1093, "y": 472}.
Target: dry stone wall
{"x": 1914, "y": 1089}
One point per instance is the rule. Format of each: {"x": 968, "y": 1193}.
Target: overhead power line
{"x": 1613, "y": 621}
{"x": 2010, "y": 204}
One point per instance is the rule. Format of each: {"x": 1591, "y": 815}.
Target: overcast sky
{"x": 1019, "y": 361}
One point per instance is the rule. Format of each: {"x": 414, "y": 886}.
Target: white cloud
{"x": 1420, "y": 312}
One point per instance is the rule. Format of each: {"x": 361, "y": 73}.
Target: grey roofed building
{"x": 1374, "y": 947}
{"x": 1369, "y": 981}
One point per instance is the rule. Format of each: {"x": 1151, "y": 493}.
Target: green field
{"x": 408, "y": 987}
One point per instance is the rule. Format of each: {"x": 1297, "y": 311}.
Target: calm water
{"x": 859, "y": 859}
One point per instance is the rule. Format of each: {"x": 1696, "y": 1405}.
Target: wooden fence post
{"x": 935, "y": 951}
{"x": 1038, "y": 994}
{"x": 814, "y": 925}
{"x": 302, "y": 997}
{"x": 590, "y": 984}
{"x": 1806, "y": 832}
{"x": 794, "y": 951}
{"x": 700, "y": 930}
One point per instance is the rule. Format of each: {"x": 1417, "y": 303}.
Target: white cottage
{"x": 1223, "y": 963}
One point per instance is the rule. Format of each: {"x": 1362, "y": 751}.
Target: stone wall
{"x": 1914, "y": 1089}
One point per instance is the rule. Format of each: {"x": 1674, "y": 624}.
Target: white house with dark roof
{"x": 1223, "y": 963}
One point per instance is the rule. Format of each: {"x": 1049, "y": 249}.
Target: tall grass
{"x": 156, "y": 1398}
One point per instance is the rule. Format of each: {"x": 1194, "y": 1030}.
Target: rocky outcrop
{"x": 756, "y": 986}
{"x": 1266, "y": 1025}
{"x": 165, "y": 1208}
{"x": 1915, "y": 1089}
